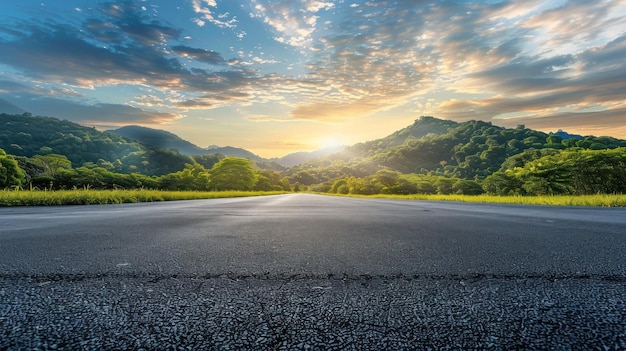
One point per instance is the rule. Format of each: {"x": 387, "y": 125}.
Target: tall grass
{"x": 92, "y": 197}
{"x": 600, "y": 200}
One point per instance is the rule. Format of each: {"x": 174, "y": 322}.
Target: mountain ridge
{"x": 170, "y": 141}
{"x": 468, "y": 150}
{"x": 9, "y": 108}
{"x": 465, "y": 150}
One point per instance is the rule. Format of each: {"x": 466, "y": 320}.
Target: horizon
{"x": 277, "y": 77}
{"x": 334, "y": 147}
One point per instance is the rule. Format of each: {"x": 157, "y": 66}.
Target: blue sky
{"x": 288, "y": 75}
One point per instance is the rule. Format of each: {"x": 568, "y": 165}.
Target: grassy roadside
{"x": 600, "y": 200}
{"x": 92, "y": 197}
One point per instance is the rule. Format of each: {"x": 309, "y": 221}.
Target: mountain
{"x": 159, "y": 138}
{"x": 130, "y": 149}
{"x": 467, "y": 150}
{"x": 565, "y": 135}
{"x": 297, "y": 158}
{"x": 427, "y": 126}
{"x": 422, "y": 127}
{"x": 170, "y": 141}
{"x": 27, "y": 136}
{"x": 430, "y": 146}
{"x": 9, "y": 108}
{"x": 233, "y": 151}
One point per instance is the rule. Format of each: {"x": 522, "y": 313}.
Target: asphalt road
{"x": 312, "y": 272}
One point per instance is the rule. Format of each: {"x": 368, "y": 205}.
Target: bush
{"x": 467, "y": 187}
{"x": 11, "y": 175}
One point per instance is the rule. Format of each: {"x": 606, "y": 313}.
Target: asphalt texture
{"x": 311, "y": 272}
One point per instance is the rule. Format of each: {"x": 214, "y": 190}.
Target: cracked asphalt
{"x": 309, "y": 272}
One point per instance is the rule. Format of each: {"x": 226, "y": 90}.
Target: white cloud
{"x": 293, "y": 21}
{"x": 263, "y": 61}
{"x": 203, "y": 7}
{"x": 315, "y": 5}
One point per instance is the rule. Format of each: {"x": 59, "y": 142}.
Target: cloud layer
{"x": 552, "y": 64}
{"x": 482, "y": 60}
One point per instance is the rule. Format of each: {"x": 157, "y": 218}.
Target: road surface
{"x": 306, "y": 271}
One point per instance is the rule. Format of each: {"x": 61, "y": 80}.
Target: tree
{"x": 232, "y": 173}
{"x": 554, "y": 139}
{"x": 193, "y": 177}
{"x": 10, "y": 172}
{"x": 502, "y": 183}
{"x": 52, "y": 163}
{"x": 270, "y": 181}
{"x": 304, "y": 178}
{"x": 387, "y": 178}
{"x": 340, "y": 183}
{"x": 467, "y": 187}
{"x": 444, "y": 185}
{"x": 425, "y": 187}
{"x": 208, "y": 160}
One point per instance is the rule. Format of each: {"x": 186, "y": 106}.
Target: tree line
{"x": 432, "y": 156}
{"x": 27, "y": 136}
{"x": 54, "y": 172}
{"x": 571, "y": 172}
{"x": 534, "y": 172}
{"x": 470, "y": 150}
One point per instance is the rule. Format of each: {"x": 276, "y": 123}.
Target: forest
{"x": 432, "y": 156}
{"x": 435, "y": 156}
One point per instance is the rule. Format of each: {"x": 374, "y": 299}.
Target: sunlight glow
{"x": 260, "y": 73}
{"x": 330, "y": 142}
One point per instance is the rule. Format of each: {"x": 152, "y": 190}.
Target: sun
{"x": 330, "y": 142}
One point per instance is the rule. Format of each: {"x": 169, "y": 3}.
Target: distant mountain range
{"x": 297, "y": 158}
{"x": 467, "y": 150}
{"x": 566, "y": 135}
{"x": 170, "y": 141}
{"x": 430, "y": 156}
{"x": 9, "y": 108}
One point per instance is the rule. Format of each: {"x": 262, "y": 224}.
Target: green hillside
{"x": 434, "y": 151}
{"x": 48, "y": 153}
{"x": 170, "y": 141}
{"x": 430, "y": 156}
{"x": 158, "y": 138}
{"x": 25, "y": 135}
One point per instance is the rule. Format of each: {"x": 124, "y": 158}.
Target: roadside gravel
{"x": 104, "y": 312}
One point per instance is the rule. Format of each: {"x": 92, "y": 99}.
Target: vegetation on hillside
{"x": 24, "y": 135}
{"x": 470, "y": 150}
{"x": 432, "y": 156}
{"x": 27, "y": 136}
{"x": 165, "y": 140}
{"x": 11, "y": 175}
{"x": 55, "y": 172}
{"x": 435, "y": 156}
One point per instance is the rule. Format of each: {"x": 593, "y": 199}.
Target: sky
{"x": 279, "y": 76}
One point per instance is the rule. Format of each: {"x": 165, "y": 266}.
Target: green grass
{"x": 600, "y": 200}
{"x": 92, "y": 197}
